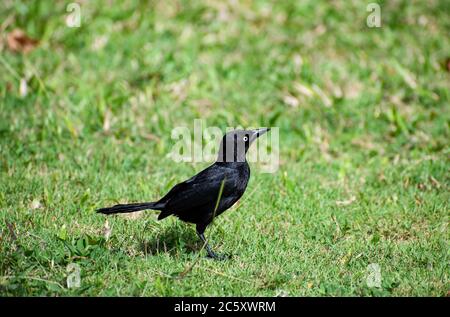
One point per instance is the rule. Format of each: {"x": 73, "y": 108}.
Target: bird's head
{"x": 235, "y": 144}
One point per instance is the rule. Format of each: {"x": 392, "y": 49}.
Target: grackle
{"x": 209, "y": 193}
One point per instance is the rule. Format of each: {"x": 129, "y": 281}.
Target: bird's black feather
{"x": 195, "y": 199}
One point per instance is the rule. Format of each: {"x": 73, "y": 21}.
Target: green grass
{"x": 374, "y": 134}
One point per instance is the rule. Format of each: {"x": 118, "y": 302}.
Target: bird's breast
{"x": 236, "y": 184}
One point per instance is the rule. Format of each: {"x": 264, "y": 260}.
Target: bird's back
{"x": 195, "y": 199}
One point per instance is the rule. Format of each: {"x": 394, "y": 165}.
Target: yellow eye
{"x": 245, "y": 139}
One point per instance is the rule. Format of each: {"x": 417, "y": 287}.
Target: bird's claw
{"x": 219, "y": 257}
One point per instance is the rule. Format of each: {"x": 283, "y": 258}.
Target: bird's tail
{"x": 129, "y": 208}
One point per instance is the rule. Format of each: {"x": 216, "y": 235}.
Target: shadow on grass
{"x": 174, "y": 241}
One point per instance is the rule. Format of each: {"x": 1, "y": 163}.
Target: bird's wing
{"x": 200, "y": 190}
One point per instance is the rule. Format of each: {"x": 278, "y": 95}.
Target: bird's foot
{"x": 219, "y": 257}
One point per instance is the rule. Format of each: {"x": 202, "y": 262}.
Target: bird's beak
{"x": 258, "y": 132}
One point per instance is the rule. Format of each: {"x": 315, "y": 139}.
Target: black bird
{"x": 209, "y": 193}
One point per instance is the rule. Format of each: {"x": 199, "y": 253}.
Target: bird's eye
{"x": 245, "y": 139}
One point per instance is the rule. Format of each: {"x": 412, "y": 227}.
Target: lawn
{"x": 86, "y": 116}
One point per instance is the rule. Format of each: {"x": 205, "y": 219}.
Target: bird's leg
{"x": 211, "y": 253}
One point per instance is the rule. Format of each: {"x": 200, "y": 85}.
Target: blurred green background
{"x": 86, "y": 116}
